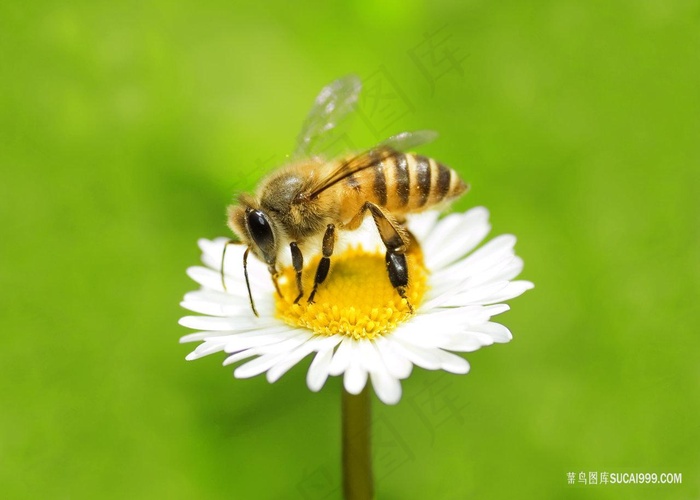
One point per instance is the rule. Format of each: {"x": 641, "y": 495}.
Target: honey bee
{"x": 309, "y": 200}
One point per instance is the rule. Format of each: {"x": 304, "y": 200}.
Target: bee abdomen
{"x": 405, "y": 183}
{"x": 416, "y": 183}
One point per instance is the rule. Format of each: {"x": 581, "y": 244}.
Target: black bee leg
{"x": 325, "y": 263}
{"x": 274, "y": 274}
{"x": 396, "y": 240}
{"x": 398, "y": 274}
{"x": 298, "y": 263}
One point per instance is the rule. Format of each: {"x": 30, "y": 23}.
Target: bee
{"x": 309, "y": 200}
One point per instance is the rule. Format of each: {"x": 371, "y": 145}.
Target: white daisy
{"x": 359, "y": 327}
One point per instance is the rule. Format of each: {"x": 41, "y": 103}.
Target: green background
{"x": 127, "y": 127}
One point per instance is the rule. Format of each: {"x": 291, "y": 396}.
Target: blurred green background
{"x": 126, "y": 128}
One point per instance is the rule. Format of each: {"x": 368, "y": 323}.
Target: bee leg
{"x": 274, "y": 274}
{"x": 298, "y": 263}
{"x": 398, "y": 274}
{"x": 396, "y": 240}
{"x": 325, "y": 263}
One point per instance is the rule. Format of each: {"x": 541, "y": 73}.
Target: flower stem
{"x": 357, "y": 448}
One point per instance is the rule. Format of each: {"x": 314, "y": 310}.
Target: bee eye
{"x": 261, "y": 232}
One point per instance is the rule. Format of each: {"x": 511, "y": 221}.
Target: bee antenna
{"x": 247, "y": 281}
{"x": 223, "y": 259}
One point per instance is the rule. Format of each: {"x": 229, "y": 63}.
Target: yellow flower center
{"x": 356, "y": 299}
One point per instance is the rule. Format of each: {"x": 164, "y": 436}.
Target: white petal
{"x": 437, "y": 300}
{"x": 264, "y": 341}
{"x": 213, "y": 296}
{"x": 397, "y": 365}
{"x": 355, "y": 378}
{"x": 233, "y": 266}
{"x": 436, "y": 314}
{"x": 367, "y": 355}
{"x": 455, "y": 236}
{"x": 478, "y": 295}
{"x": 421, "y": 224}
{"x": 342, "y": 357}
{"x": 257, "y": 366}
{"x": 294, "y": 357}
{"x": 271, "y": 355}
{"x": 318, "y": 371}
{"x": 445, "y": 319}
{"x": 514, "y": 289}
{"x": 238, "y": 324}
{"x": 467, "y": 274}
{"x": 494, "y": 250}
{"x": 260, "y": 286}
{"x": 204, "y": 350}
{"x": 482, "y": 260}
{"x": 431, "y": 327}
{"x": 419, "y": 356}
{"x": 235, "y": 308}
{"x": 468, "y": 341}
{"x": 365, "y": 236}
{"x": 386, "y": 385}
{"x": 452, "y": 363}
{"x": 211, "y": 280}
{"x": 445, "y": 227}
{"x": 485, "y": 294}
{"x": 234, "y": 358}
{"x": 419, "y": 337}
{"x": 495, "y": 309}
{"x": 387, "y": 388}
{"x": 505, "y": 270}
{"x": 496, "y": 331}
{"x": 196, "y": 337}
{"x": 224, "y": 336}
{"x": 215, "y": 247}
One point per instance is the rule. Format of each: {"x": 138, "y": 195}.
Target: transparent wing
{"x": 390, "y": 148}
{"x": 407, "y": 140}
{"x": 332, "y": 104}
{"x": 348, "y": 167}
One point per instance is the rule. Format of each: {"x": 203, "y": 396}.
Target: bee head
{"x": 256, "y": 229}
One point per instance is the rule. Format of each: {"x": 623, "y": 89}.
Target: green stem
{"x": 357, "y": 447}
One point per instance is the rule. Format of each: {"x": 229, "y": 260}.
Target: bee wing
{"x": 407, "y": 140}
{"x": 335, "y": 101}
{"x": 348, "y": 167}
{"x": 391, "y": 147}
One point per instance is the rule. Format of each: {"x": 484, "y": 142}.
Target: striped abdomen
{"x": 407, "y": 182}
